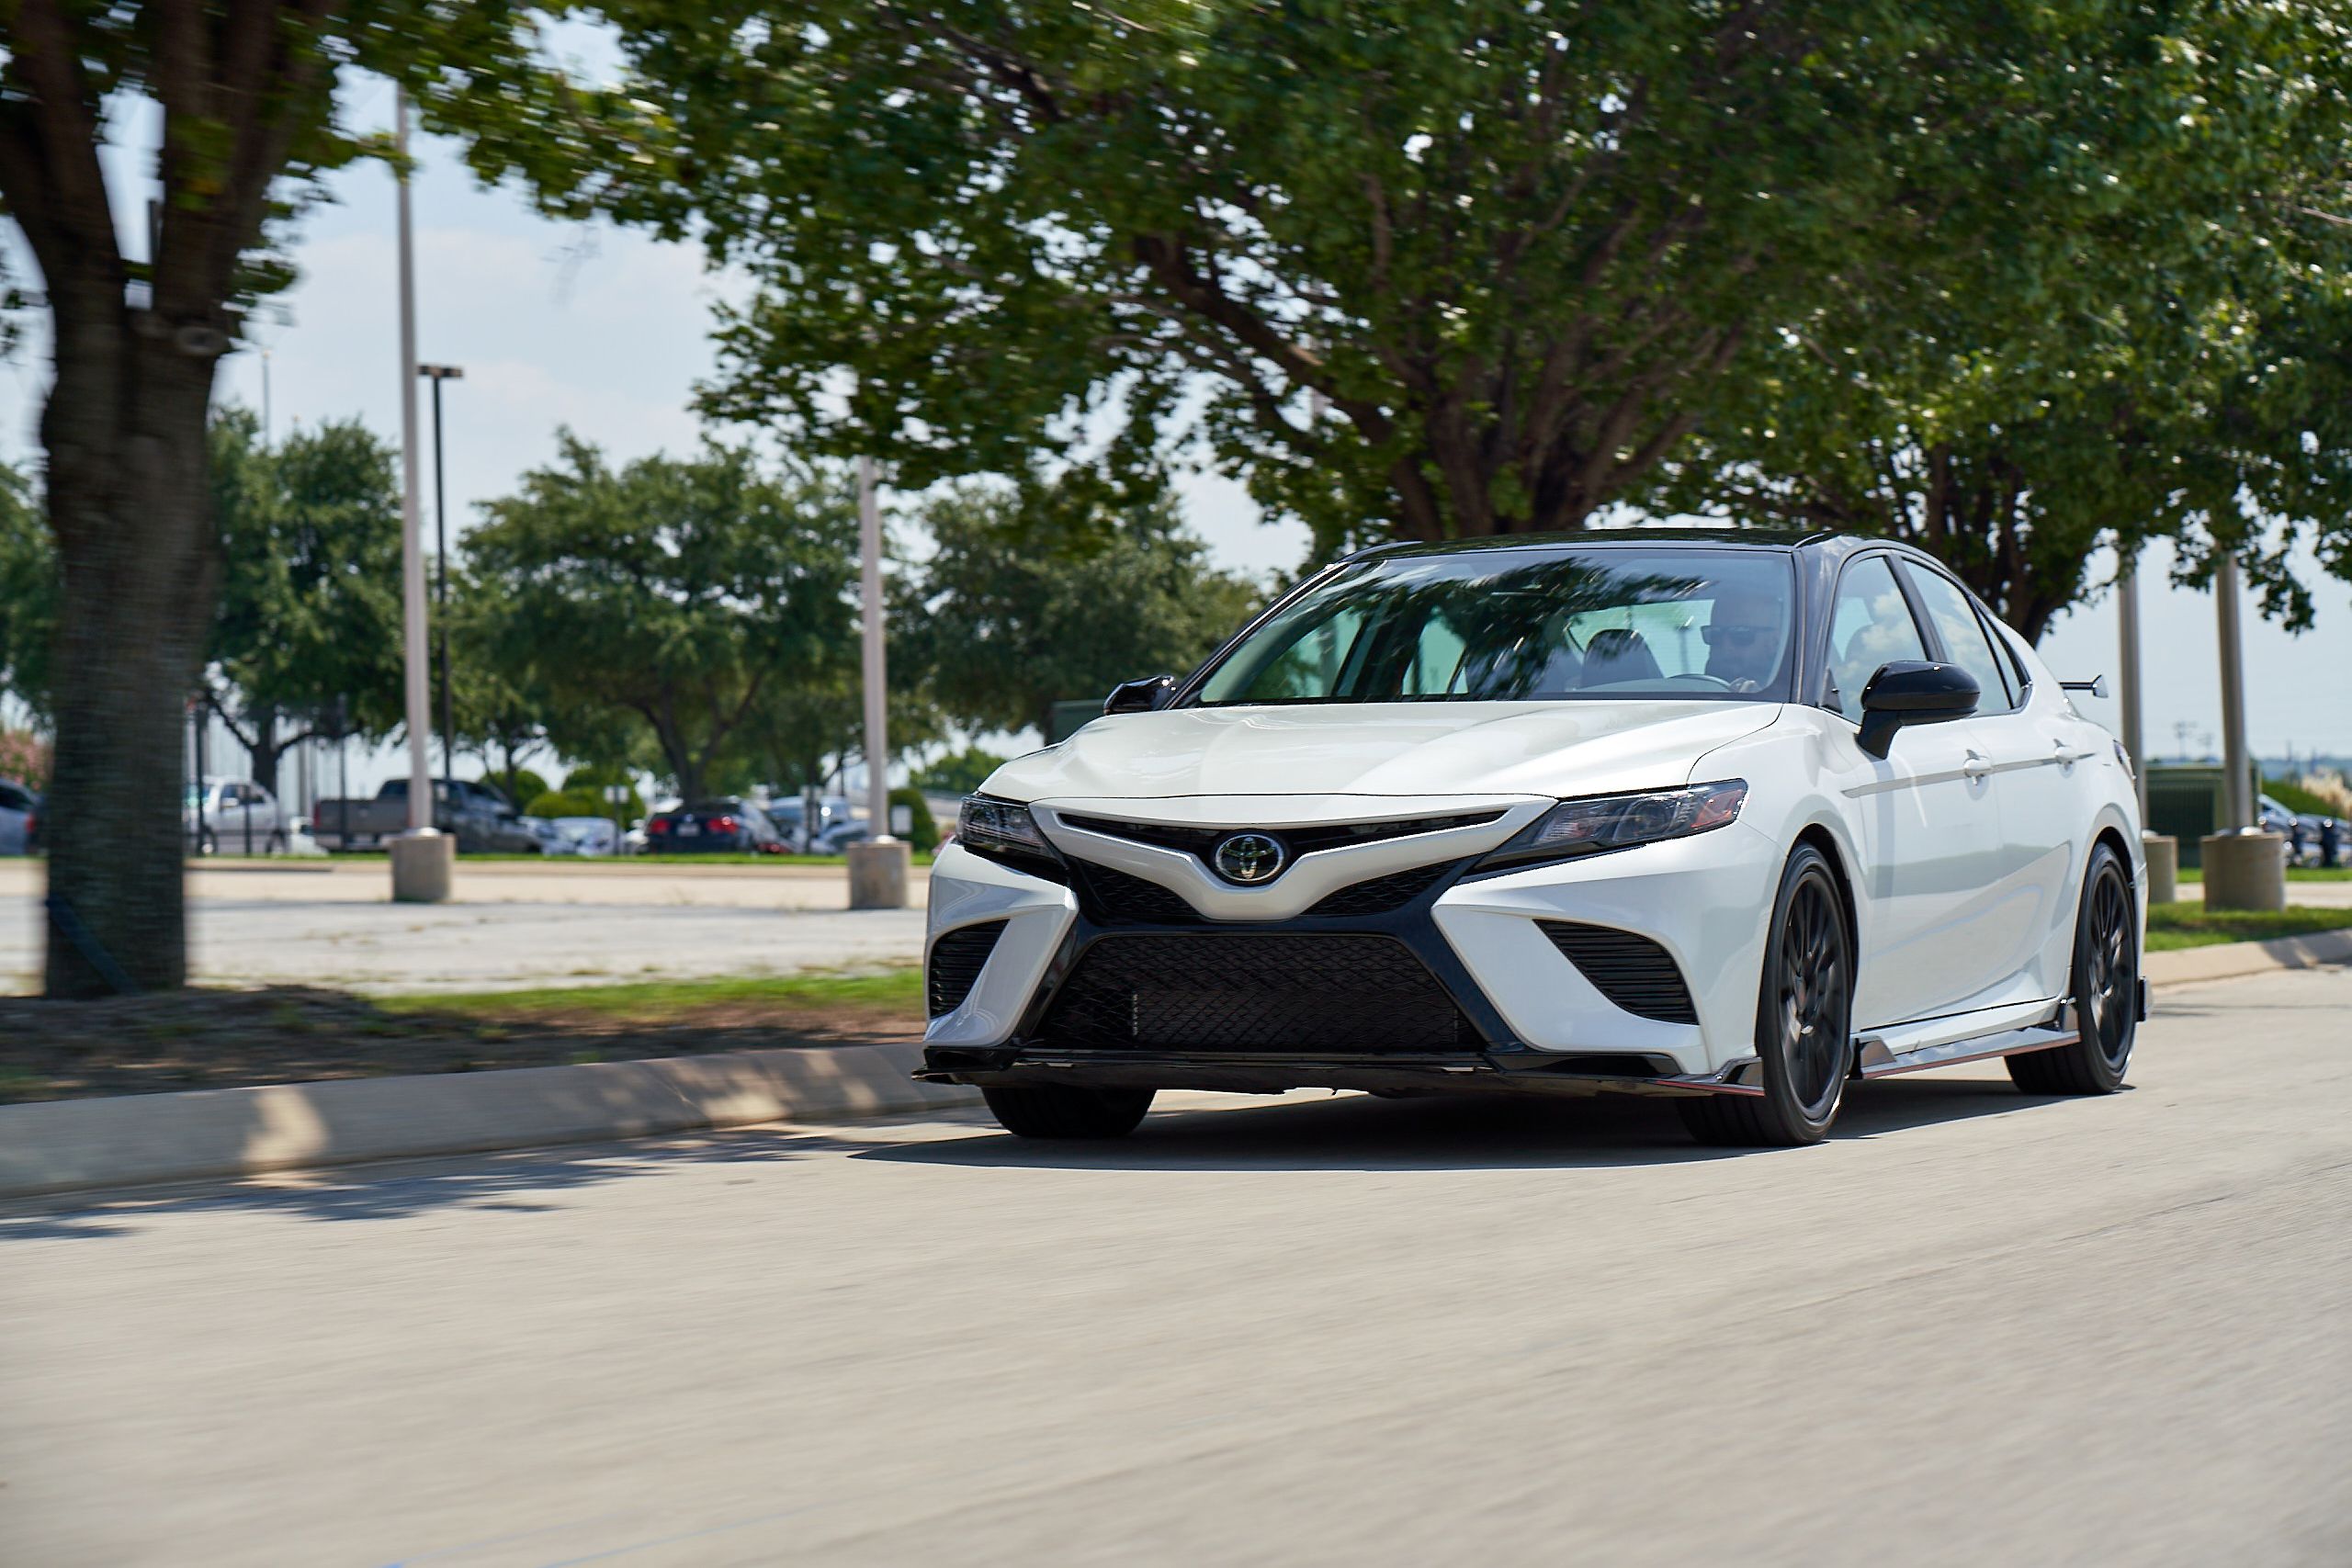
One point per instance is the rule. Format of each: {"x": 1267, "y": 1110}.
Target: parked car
{"x": 19, "y": 818}
{"x": 837, "y": 838}
{"x": 588, "y": 835}
{"x": 806, "y": 834}
{"x": 482, "y": 819}
{"x": 1733, "y": 817}
{"x": 234, "y": 817}
{"x": 729, "y": 825}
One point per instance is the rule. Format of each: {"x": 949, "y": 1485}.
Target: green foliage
{"x": 553, "y": 803}
{"x": 1439, "y": 269}
{"x": 28, "y": 594}
{"x": 675, "y": 592}
{"x": 2137, "y": 333}
{"x": 2296, "y": 798}
{"x": 959, "y": 774}
{"x": 923, "y": 830}
{"x": 589, "y": 783}
{"x": 523, "y": 785}
{"x": 1022, "y": 604}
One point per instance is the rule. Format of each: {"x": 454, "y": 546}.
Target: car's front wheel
{"x": 2106, "y": 992}
{"x": 1066, "y": 1110}
{"x": 1804, "y": 1038}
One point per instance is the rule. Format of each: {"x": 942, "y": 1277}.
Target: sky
{"x": 606, "y": 332}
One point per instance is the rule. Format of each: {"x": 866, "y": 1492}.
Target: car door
{"x": 1924, "y": 817}
{"x": 2035, "y": 780}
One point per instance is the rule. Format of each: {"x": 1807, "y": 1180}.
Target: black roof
{"x": 1730, "y": 534}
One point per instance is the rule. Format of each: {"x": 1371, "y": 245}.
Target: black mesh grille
{"x": 955, "y": 967}
{"x": 1255, "y": 991}
{"x": 1382, "y": 893}
{"x": 1632, "y": 971}
{"x": 1112, "y": 897}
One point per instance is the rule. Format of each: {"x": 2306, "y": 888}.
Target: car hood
{"x": 1392, "y": 748}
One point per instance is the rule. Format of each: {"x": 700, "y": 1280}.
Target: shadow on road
{"x": 1344, "y": 1132}
{"x": 1450, "y": 1133}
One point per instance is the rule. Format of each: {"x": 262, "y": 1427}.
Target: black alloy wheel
{"x": 2106, "y": 992}
{"x": 1804, "y": 1038}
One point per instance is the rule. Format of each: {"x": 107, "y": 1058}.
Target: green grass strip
{"x": 656, "y": 999}
{"x": 2172, "y": 927}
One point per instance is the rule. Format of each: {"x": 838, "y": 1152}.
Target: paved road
{"x": 1975, "y": 1328}
{"x": 515, "y": 926}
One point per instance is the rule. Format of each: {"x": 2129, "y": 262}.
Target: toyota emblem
{"x": 1249, "y": 857}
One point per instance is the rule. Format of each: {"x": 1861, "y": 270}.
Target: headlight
{"x": 1615, "y": 821}
{"x": 1001, "y": 827}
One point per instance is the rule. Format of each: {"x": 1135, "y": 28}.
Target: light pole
{"x": 421, "y": 859}
{"x": 436, "y": 374}
{"x": 877, "y": 868}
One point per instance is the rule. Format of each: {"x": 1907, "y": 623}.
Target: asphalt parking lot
{"x": 512, "y": 927}
{"x": 1972, "y": 1328}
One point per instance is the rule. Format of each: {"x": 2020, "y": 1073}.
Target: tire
{"x": 1805, "y": 1037}
{"x": 1060, "y": 1110}
{"x": 206, "y": 843}
{"x": 2105, "y": 985}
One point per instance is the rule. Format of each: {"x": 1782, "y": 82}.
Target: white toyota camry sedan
{"x": 1733, "y": 816}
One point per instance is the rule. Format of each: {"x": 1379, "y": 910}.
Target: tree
{"x": 1436, "y": 269}
{"x": 676, "y": 591}
{"x": 248, "y": 94}
{"x": 961, "y": 774}
{"x": 1020, "y": 606}
{"x": 308, "y": 628}
{"x": 2168, "y": 357}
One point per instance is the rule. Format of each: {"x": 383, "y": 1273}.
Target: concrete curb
{"x": 2226, "y": 961}
{"x": 132, "y": 1140}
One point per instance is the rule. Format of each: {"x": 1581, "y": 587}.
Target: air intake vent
{"x": 1382, "y": 893}
{"x": 1632, "y": 971}
{"x": 1117, "y": 897}
{"x": 956, "y": 962}
{"x": 1255, "y": 991}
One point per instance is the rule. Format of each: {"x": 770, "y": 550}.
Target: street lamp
{"x": 436, "y": 374}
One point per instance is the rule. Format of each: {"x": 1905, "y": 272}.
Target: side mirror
{"x": 1140, "y": 697}
{"x": 1910, "y": 691}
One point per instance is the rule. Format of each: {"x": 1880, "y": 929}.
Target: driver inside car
{"x": 1742, "y": 638}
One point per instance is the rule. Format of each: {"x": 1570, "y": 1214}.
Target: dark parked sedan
{"x": 715, "y": 826}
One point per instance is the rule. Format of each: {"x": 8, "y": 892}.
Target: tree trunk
{"x": 267, "y": 748}
{"x": 128, "y": 500}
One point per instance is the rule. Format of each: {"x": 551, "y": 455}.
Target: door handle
{"x": 2067, "y": 759}
{"x": 1978, "y": 766}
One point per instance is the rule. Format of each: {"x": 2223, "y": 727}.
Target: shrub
{"x": 960, "y": 773}
{"x": 551, "y": 804}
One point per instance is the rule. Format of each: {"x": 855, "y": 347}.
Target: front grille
{"x": 956, "y": 962}
{"x": 1632, "y": 971}
{"x": 1303, "y": 841}
{"x": 1382, "y": 893}
{"x": 1111, "y": 897}
{"x": 1269, "y": 991}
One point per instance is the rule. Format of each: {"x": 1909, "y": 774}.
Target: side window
{"x": 1870, "y": 625}
{"x": 1963, "y": 638}
{"x": 1310, "y": 667}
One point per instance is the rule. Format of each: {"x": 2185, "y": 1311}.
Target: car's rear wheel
{"x": 1804, "y": 1039}
{"x": 2106, "y": 992}
{"x": 1063, "y": 1111}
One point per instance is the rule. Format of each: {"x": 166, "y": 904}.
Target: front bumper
{"x": 1528, "y": 1016}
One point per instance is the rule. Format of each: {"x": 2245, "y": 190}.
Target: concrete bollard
{"x": 2163, "y": 866}
{"x": 878, "y": 874}
{"x": 2245, "y": 870}
{"x": 424, "y": 865}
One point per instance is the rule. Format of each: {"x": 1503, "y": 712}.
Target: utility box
{"x": 2185, "y": 800}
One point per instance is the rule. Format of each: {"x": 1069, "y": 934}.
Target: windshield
{"x": 1524, "y": 625}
